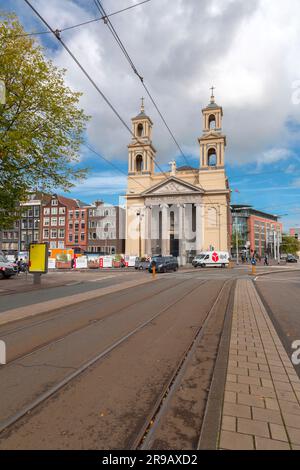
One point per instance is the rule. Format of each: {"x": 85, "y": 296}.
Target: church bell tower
{"x": 141, "y": 153}
{"x": 213, "y": 142}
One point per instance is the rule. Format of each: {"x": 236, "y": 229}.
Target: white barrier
{"x": 2, "y": 353}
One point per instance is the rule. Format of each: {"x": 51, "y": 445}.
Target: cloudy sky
{"x": 249, "y": 50}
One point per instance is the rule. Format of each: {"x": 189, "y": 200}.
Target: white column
{"x": 148, "y": 231}
{"x": 199, "y": 225}
{"x": 181, "y": 234}
{"x": 165, "y": 230}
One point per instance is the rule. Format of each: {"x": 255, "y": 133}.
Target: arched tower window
{"x": 140, "y": 130}
{"x": 212, "y": 121}
{"x": 212, "y": 157}
{"x": 139, "y": 164}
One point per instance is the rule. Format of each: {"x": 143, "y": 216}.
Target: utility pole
{"x": 237, "y": 243}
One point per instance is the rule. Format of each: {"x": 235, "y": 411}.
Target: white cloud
{"x": 105, "y": 183}
{"x": 248, "y": 50}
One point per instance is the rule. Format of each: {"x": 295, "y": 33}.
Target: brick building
{"x": 77, "y": 227}
{"x": 257, "y": 231}
{"x": 53, "y": 222}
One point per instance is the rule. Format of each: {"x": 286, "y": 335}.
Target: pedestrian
{"x": 266, "y": 260}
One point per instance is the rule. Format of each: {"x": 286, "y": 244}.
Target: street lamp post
{"x": 140, "y": 216}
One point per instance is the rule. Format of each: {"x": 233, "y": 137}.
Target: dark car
{"x": 291, "y": 259}
{"x": 7, "y": 268}
{"x": 141, "y": 264}
{"x": 164, "y": 264}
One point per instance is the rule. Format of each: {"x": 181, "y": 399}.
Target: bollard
{"x": 253, "y": 270}
{"x": 153, "y": 272}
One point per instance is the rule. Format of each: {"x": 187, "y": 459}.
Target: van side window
{"x": 206, "y": 257}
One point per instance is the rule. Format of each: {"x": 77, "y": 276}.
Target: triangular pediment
{"x": 173, "y": 186}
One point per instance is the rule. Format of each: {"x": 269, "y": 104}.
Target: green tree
{"x": 41, "y": 123}
{"x": 290, "y": 245}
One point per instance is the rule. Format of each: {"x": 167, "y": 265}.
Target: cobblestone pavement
{"x": 261, "y": 407}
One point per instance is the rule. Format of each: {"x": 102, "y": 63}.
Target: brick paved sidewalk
{"x": 261, "y": 407}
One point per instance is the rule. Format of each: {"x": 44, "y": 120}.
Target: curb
{"x": 276, "y": 272}
{"x": 211, "y": 425}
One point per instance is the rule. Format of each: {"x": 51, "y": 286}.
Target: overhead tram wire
{"x": 141, "y": 78}
{"x": 55, "y": 33}
{"x": 58, "y": 37}
{"x": 80, "y": 24}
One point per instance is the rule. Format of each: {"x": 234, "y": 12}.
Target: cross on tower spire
{"x": 142, "y": 105}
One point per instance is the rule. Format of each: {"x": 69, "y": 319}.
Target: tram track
{"x": 5, "y": 425}
{"x": 147, "y": 435}
{"x": 60, "y": 314}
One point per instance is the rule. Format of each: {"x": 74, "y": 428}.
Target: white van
{"x": 211, "y": 258}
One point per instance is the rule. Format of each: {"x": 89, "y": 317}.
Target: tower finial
{"x": 212, "y": 98}
{"x": 142, "y": 106}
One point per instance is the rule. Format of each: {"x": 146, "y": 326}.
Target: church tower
{"x": 213, "y": 142}
{"x": 141, "y": 153}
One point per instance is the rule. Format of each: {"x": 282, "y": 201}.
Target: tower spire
{"x": 142, "y": 105}
{"x": 212, "y": 98}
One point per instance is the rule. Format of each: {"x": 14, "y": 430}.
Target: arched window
{"x": 212, "y": 157}
{"x": 139, "y": 164}
{"x": 140, "y": 130}
{"x": 212, "y": 121}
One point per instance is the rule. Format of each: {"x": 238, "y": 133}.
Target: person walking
{"x": 266, "y": 263}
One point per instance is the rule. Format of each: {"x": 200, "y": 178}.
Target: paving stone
{"x": 267, "y": 383}
{"x": 240, "y": 411}
{"x": 236, "y": 441}
{"x": 271, "y": 404}
{"x": 283, "y": 386}
{"x": 291, "y": 420}
{"x": 248, "y": 380}
{"x": 236, "y": 387}
{"x": 278, "y": 432}
{"x": 269, "y": 416}
{"x": 294, "y": 435}
{"x": 260, "y": 373}
{"x": 230, "y": 397}
{"x": 231, "y": 378}
{"x": 288, "y": 396}
{"x": 289, "y": 407}
{"x": 262, "y": 392}
{"x": 250, "y": 400}
{"x": 262, "y": 443}
{"x": 281, "y": 378}
{"x": 250, "y": 426}
{"x": 229, "y": 423}
{"x": 248, "y": 365}
{"x": 238, "y": 370}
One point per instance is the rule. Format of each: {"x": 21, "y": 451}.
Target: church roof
{"x": 186, "y": 168}
{"x": 142, "y": 115}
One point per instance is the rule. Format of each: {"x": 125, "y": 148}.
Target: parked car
{"x": 7, "y": 268}
{"x": 142, "y": 264}
{"x": 291, "y": 259}
{"x": 211, "y": 258}
{"x": 164, "y": 264}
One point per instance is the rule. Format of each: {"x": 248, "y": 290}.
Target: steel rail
{"x": 146, "y": 436}
{"x": 4, "y": 425}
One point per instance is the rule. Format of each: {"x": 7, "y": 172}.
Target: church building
{"x": 183, "y": 211}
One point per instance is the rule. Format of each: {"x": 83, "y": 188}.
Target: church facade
{"x": 183, "y": 211}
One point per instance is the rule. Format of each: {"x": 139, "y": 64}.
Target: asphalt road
{"x": 281, "y": 295}
{"x": 108, "y": 404}
{"x": 94, "y": 375}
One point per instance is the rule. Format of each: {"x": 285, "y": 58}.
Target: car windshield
{"x": 200, "y": 256}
